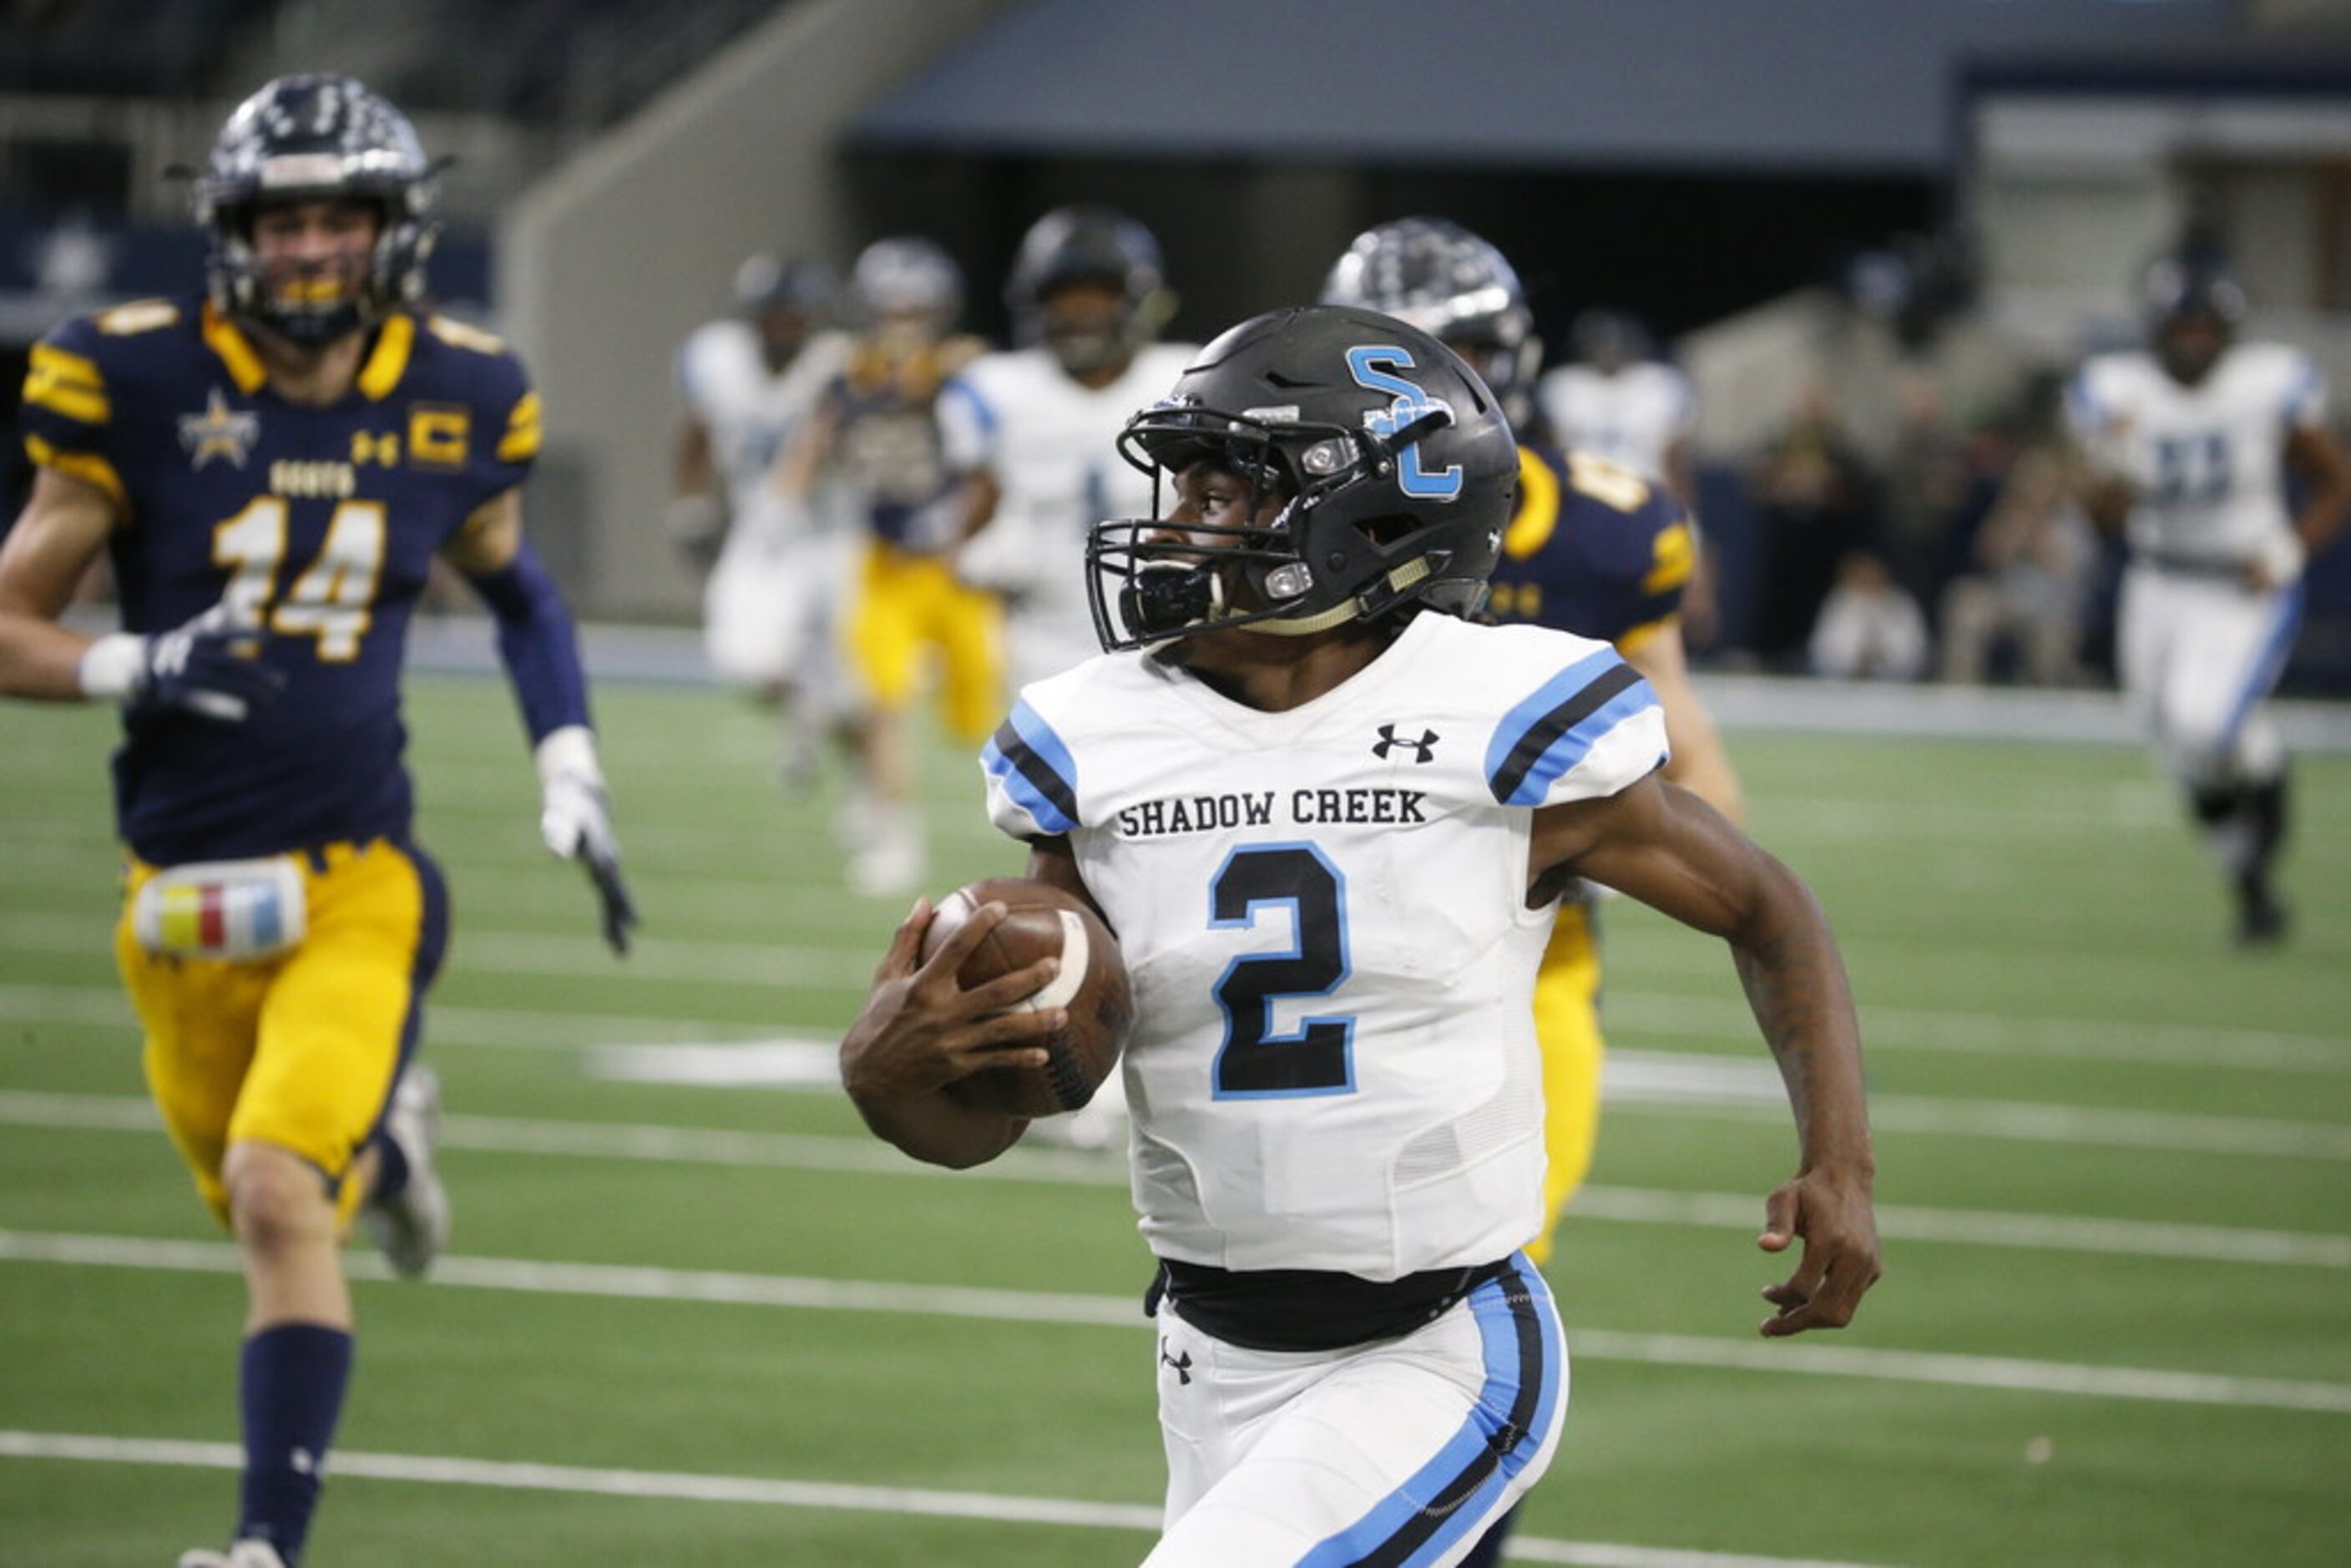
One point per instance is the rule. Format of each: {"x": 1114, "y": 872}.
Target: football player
{"x": 1593, "y": 548}
{"x": 774, "y": 573}
{"x": 1036, "y": 428}
{"x": 2186, "y": 446}
{"x": 271, "y": 467}
{"x": 872, "y": 452}
{"x": 1337, "y": 1139}
{"x": 1617, "y": 400}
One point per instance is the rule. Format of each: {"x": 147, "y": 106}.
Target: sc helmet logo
{"x": 1373, "y": 366}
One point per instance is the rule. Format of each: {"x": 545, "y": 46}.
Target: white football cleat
{"x": 243, "y": 1554}
{"x": 411, "y": 1225}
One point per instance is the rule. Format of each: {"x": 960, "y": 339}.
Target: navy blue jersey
{"x": 1596, "y": 549}
{"x": 326, "y": 520}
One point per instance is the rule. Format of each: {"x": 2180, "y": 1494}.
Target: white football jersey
{"x": 2206, "y": 462}
{"x": 1051, "y": 445}
{"x": 747, "y": 411}
{"x": 1324, "y": 911}
{"x": 1631, "y": 418}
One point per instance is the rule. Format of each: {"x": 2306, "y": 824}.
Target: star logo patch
{"x": 219, "y": 431}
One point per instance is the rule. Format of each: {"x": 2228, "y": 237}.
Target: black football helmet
{"x": 2193, "y": 310}
{"x": 1396, "y": 469}
{"x": 303, "y": 138}
{"x": 1453, "y": 286}
{"x": 766, "y": 283}
{"x": 1071, "y": 245}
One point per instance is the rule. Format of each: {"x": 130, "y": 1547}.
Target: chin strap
{"x": 1406, "y": 576}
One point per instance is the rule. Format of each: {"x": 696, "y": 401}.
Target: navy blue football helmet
{"x": 304, "y": 138}
{"x": 1452, "y": 285}
{"x": 2193, "y": 310}
{"x": 1396, "y": 469}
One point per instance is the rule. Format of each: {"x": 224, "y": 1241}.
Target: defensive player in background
{"x": 775, "y": 574}
{"x": 272, "y": 467}
{"x": 2188, "y": 444}
{"x": 1337, "y": 1135}
{"x": 871, "y": 454}
{"x": 1035, "y": 429}
{"x": 1593, "y": 549}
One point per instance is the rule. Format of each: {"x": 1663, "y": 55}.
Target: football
{"x": 1040, "y": 922}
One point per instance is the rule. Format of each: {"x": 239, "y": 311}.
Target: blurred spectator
{"x": 1869, "y": 627}
{"x": 1930, "y": 481}
{"x": 2031, "y": 567}
{"x": 1814, "y": 501}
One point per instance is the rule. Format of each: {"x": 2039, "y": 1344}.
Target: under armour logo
{"x": 1182, "y": 1364}
{"x": 1424, "y": 750}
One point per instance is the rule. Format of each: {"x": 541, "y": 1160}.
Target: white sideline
{"x": 2157, "y": 1384}
{"x": 680, "y": 1486}
{"x": 1640, "y": 1206}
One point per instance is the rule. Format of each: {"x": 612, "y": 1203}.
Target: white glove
{"x": 576, "y": 820}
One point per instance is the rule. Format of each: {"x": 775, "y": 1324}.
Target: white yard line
{"x": 1641, "y": 1205}
{"x": 686, "y": 1486}
{"x": 702, "y": 1286}
{"x": 794, "y": 966}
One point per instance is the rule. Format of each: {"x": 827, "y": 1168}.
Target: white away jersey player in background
{"x": 1614, "y": 400}
{"x": 1330, "y": 820}
{"x": 2190, "y": 441}
{"x": 1038, "y": 426}
{"x": 764, "y": 607}
{"x": 1051, "y": 443}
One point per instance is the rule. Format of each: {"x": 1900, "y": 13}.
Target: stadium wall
{"x": 609, "y": 260}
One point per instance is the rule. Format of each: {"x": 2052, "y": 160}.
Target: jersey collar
{"x": 386, "y": 364}
{"x": 222, "y": 338}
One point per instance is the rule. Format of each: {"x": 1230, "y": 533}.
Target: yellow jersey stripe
{"x": 390, "y": 361}
{"x": 1537, "y": 507}
{"x": 1636, "y": 635}
{"x": 223, "y": 339}
{"x": 520, "y": 441}
{"x": 87, "y": 466}
{"x": 66, "y": 384}
{"x": 73, "y": 369}
{"x": 1676, "y": 557}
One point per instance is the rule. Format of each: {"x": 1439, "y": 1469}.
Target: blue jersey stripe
{"x": 1552, "y": 731}
{"x": 1453, "y": 1494}
{"x": 1035, "y": 768}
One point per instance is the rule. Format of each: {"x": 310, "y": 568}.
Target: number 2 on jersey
{"x": 331, "y": 601}
{"x": 1318, "y": 1057}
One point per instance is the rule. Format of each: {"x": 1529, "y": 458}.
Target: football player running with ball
{"x": 1338, "y": 1122}
{"x": 2188, "y": 444}
{"x": 271, "y": 468}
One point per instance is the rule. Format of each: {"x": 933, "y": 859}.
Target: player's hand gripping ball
{"x": 1042, "y": 921}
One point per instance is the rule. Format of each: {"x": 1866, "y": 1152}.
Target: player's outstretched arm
{"x": 205, "y": 667}
{"x": 1667, "y": 847}
{"x": 541, "y": 653}
{"x": 921, "y": 1030}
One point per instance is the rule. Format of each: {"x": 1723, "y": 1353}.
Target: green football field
{"x": 689, "y": 1318}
